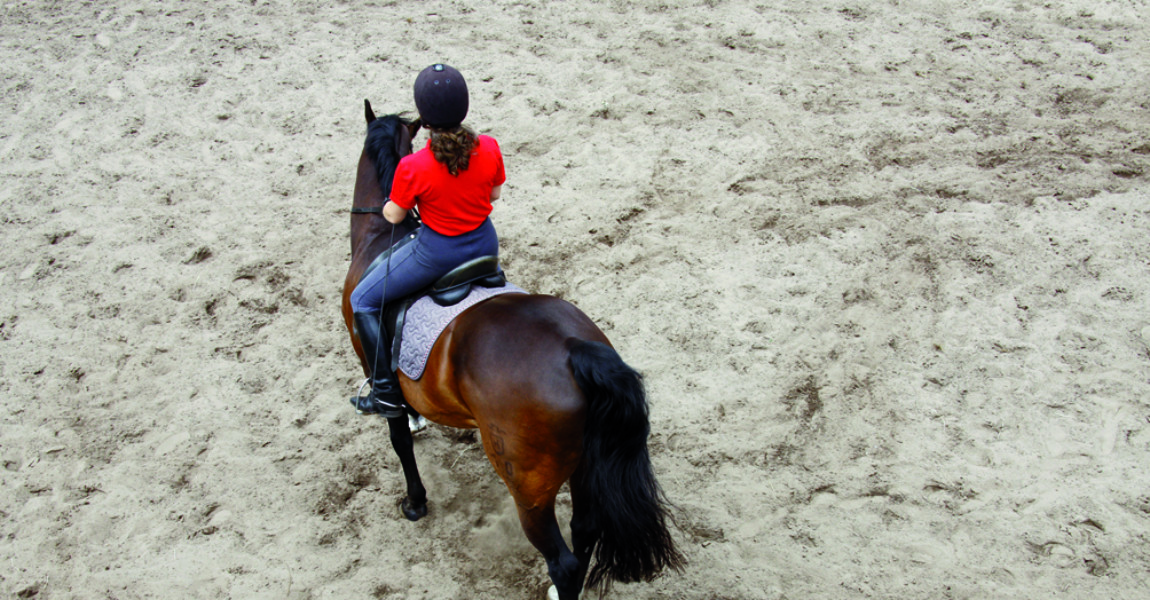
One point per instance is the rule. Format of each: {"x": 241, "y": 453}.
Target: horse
{"x": 552, "y": 399}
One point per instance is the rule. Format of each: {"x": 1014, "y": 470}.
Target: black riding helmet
{"x": 441, "y": 97}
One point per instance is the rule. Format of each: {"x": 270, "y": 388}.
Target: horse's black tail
{"x": 626, "y": 510}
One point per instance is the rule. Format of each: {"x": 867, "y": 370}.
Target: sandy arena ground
{"x": 884, "y": 265}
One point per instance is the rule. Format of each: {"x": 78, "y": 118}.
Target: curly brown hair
{"x": 453, "y": 147}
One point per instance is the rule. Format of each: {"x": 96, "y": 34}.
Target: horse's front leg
{"x": 414, "y": 505}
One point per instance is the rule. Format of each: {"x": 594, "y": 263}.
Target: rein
{"x": 378, "y": 210}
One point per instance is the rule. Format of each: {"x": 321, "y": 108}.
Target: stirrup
{"x": 362, "y": 403}
{"x": 370, "y": 405}
{"x": 388, "y": 410}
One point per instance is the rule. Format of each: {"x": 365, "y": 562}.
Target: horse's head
{"x": 388, "y": 140}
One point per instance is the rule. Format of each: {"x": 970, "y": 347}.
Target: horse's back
{"x": 525, "y": 325}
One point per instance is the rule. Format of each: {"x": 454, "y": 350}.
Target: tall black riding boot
{"x": 385, "y": 399}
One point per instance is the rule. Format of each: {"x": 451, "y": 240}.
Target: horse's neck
{"x": 368, "y": 192}
{"x": 388, "y": 139}
{"x": 367, "y": 226}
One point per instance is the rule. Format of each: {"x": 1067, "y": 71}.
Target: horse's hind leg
{"x": 414, "y": 505}
{"x": 583, "y": 535}
{"x": 543, "y": 532}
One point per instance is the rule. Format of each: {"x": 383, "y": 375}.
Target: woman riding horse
{"x": 554, "y": 403}
{"x": 453, "y": 182}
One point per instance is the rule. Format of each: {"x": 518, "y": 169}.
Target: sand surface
{"x": 884, "y": 265}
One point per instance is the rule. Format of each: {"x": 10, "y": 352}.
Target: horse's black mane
{"x": 382, "y": 147}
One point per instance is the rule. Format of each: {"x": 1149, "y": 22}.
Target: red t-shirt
{"x": 449, "y": 205}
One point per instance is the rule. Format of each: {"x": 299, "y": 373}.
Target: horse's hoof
{"x": 553, "y": 593}
{"x": 416, "y": 423}
{"x": 413, "y": 513}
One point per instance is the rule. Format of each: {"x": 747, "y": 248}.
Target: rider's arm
{"x": 495, "y": 191}
{"x": 393, "y": 213}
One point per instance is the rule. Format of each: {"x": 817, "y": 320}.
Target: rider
{"x": 453, "y": 181}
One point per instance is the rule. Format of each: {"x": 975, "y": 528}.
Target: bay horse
{"x": 551, "y": 398}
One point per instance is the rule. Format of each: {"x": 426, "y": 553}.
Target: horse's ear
{"x": 413, "y": 127}
{"x": 367, "y": 112}
{"x": 403, "y": 140}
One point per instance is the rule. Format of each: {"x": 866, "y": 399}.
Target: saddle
{"x": 449, "y": 290}
{"x": 456, "y": 285}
